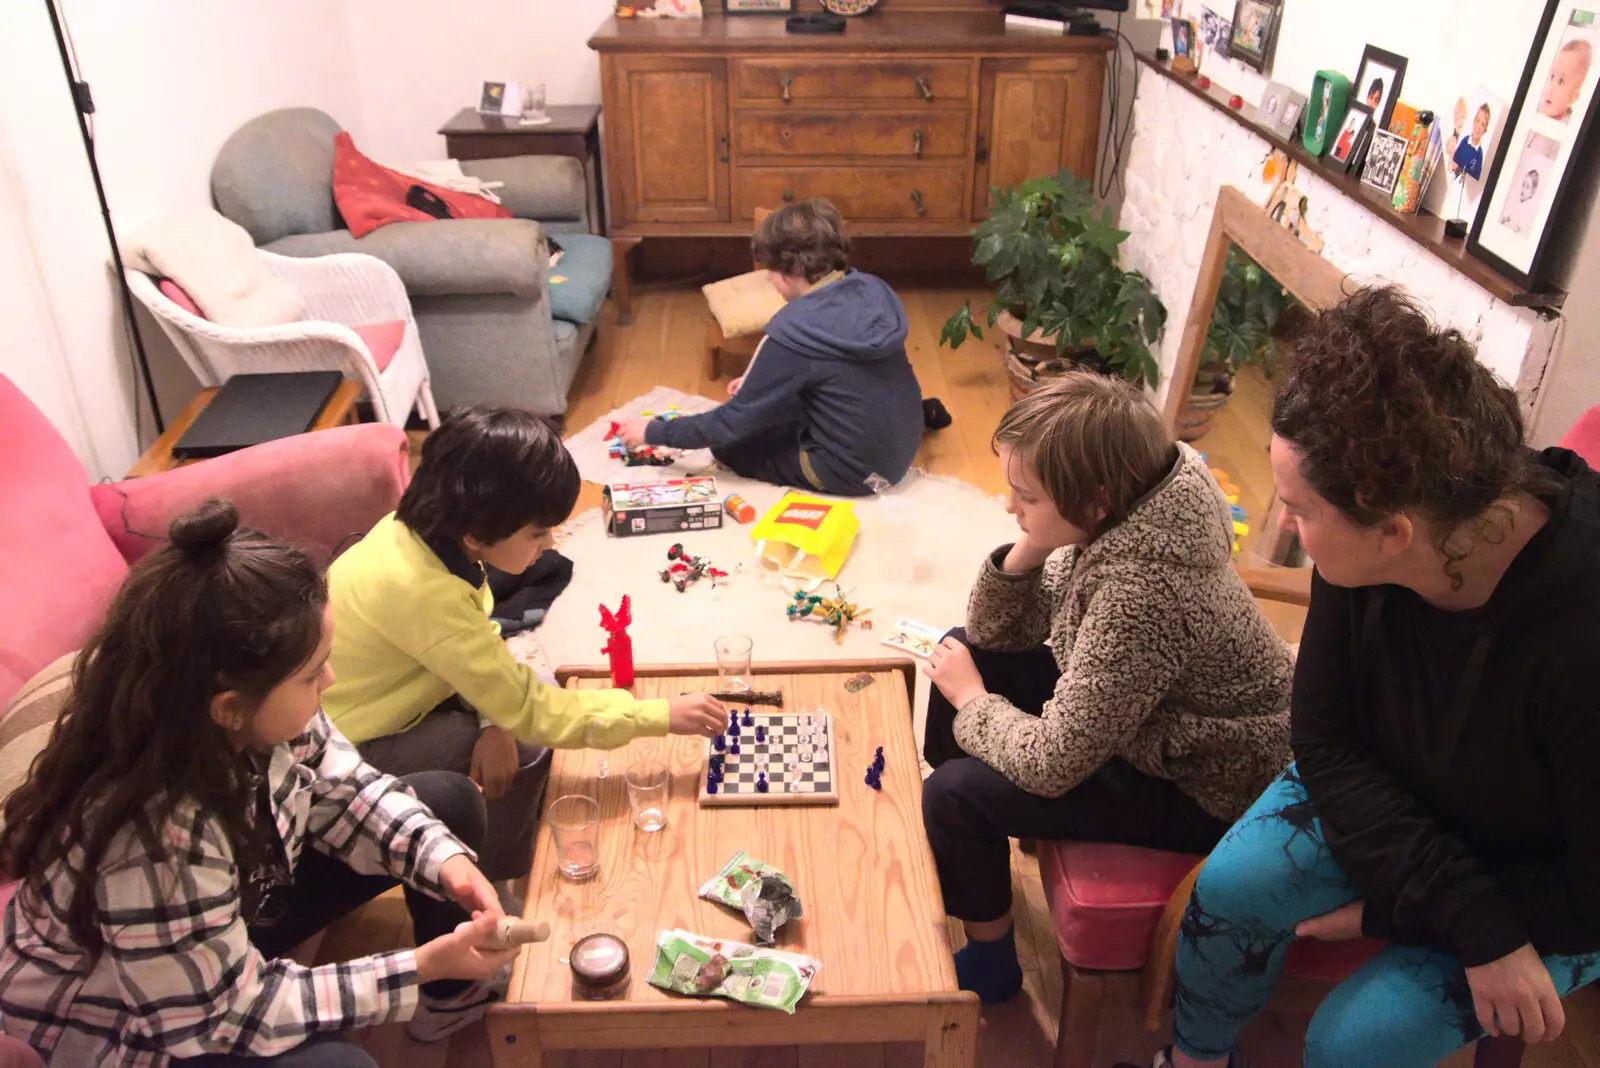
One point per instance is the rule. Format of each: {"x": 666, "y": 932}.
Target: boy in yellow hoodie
{"x": 423, "y": 680}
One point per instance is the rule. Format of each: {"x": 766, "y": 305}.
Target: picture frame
{"x": 1355, "y": 133}
{"x": 1183, "y": 38}
{"x": 758, "y": 7}
{"x": 1380, "y": 77}
{"x": 1386, "y": 154}
{"x": 1291, "y": 109}
{"x": 494, "y": 99}
{"x": 1330, "y": 99}
{"x": 1254, "y": 37}
{"x": 1548, "y": 140}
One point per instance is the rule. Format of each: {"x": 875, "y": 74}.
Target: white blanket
{"x": 217, "y": 264}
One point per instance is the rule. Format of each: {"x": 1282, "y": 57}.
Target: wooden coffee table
{"x": 873, "y": 916}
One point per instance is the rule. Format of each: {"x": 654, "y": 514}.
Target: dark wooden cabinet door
{"x": 667, "y": 138}
{"x": 1035, "y": 117}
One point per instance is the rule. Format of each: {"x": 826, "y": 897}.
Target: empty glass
{"x": 575, "y": 821}
{"x": 648, "y": 789}
{"x": 533, "y": 98}
{"x": 733, "y": 662}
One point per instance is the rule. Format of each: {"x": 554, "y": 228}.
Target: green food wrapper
{"x": 700, "y": 966}
{"x": 763, "y": 893}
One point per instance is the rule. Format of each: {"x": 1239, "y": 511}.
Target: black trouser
{"x": 325, "y": 889}
{"x": 970, "y": 810}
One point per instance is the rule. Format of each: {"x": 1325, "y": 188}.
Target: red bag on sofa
{"x": 370, "y": 195}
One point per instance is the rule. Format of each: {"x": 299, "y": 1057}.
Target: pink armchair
{"x": 65, "y": 545}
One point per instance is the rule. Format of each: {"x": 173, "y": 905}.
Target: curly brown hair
{"x": 805, "y": 239}
{"x": 1390, "y": 413}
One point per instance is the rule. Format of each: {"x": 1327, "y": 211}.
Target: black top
{"x": 1452, "y": 756}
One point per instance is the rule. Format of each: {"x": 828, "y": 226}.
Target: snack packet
{"x": 693, "y": 964}
{"x": 763, "y": 893}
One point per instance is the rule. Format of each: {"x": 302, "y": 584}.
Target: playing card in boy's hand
{"x": 912, "y": 637}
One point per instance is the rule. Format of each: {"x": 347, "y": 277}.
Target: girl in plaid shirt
{"x": 196, "y": 815}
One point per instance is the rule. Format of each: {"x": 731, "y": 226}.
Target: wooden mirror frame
{"x": 1314, "y": 281}
{"x": 1238, "y": 220}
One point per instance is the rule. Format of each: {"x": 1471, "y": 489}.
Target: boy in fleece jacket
{"x": 829, "y": 397}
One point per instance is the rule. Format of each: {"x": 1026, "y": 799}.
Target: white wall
{"x": 171, "y": 79}
{"x": 1572, "y": 384}
{"x": 415, "y": 73}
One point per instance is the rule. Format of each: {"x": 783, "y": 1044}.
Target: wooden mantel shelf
{"x": 926, "y": 33}
{"x": 1424, "y": 228}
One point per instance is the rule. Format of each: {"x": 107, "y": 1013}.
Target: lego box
{"x": 669, "y": 507}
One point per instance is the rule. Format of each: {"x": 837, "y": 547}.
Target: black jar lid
{"x": 599, "y": 960}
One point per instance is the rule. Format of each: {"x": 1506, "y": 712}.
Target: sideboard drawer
{"x": 908, "y": 135}
{"x": 912, "y": 194}
{"x": 931, "y": 83}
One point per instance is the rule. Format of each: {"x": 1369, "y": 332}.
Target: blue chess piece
{"x": 749, "y": 720}
{"x": 733, "y": 726}
{"x": 711, "y": 786}
{"x": 761, "y": 783}
{"x": 733, "y": 747}
{"x": 761, "y": 734}
{"x": 718, "y": 743}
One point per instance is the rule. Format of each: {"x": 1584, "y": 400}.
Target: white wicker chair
{"x": 341, "y": 291}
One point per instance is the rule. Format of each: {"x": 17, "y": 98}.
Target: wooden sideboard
{"x": 904, "y": 121}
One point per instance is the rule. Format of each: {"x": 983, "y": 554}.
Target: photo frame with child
{"x": 1548, "y": 136}
{"x": 1254, "y": 36}
{"x": 1378, "y": 83}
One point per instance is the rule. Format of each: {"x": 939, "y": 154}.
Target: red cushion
{"x": 179, "y": 296}
{"x": 382, "y": 340}
{"x": 370, "y": 195}
{"x": 1105, "y": 901}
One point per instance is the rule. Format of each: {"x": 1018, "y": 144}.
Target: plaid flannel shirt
{"x": 179, "y": 977}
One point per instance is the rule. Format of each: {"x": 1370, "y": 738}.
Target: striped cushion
{"x": 28, "y": 720}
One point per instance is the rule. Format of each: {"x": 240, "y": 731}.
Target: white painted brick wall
{"x": 1183, "y": 151}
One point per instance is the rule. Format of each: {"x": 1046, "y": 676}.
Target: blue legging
{"x": 1409, "y": 1007}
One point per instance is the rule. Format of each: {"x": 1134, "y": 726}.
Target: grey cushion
{"x": 447, "y": 257}
{"x": 274, "y": 176}
{"x": 548, "y": 188}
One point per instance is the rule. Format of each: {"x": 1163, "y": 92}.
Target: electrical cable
{"x": 1113, "y": 152}
{"x": 83, "y": 109}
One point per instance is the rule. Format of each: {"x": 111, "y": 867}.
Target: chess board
{"x": 797, "y": 756}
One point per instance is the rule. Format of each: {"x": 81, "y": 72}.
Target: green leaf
{"x": 958, "y": 326}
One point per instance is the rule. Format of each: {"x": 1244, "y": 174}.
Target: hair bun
{"x": 201, "y": 532}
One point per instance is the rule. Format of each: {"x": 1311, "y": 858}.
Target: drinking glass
{"x": 648, "y": 788}
{"x": 733, "y": 662}
{"x": 533, "y": 98}
{"x": 575, "y": 819}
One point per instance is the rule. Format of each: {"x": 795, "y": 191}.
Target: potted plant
{"x": 1250, "y": 304}
{"x": 1051, "y": 253}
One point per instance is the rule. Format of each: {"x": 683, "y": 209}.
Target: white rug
{"x": 923, "y": 572}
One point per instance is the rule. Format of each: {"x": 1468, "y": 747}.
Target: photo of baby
{"x": 1530, "y": 184}
{"x": 1570, "y": 70}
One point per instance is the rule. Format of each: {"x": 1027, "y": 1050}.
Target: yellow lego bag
{"x": 807, "y": 535}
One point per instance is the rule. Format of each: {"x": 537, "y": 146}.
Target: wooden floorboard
{"x": 664, "y": 346}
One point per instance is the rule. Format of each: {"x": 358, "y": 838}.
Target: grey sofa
{"x": 479, "y": 288}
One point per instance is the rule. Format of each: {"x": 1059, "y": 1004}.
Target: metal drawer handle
{"x": 916, "y": 198}
{"x": 924, "y": 88}
{"x": 916, "y": 142}
{"x": 784, "y": 82}
{"x": 788, "y": 196}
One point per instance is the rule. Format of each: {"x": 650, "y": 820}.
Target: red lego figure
{"x": 620, "y": 648}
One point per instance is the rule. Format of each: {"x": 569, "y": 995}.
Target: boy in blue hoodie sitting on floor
{"x": 829, "y": 397}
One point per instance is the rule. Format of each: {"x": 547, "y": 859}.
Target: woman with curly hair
{"x": 1443, "y": 715}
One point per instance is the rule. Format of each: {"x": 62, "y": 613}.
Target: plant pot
{"x": 1213, "y": 387}
{"x": 1032, "y": 361}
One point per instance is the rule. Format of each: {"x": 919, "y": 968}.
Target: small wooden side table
{"x": 339, "y": 411}
{"x": 573, "y": 130}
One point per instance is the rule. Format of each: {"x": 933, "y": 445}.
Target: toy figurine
{"x": 619, "y": 650}
{"x": 837, "y": 612}
{"x": 684, "y": 570}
